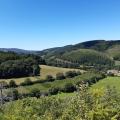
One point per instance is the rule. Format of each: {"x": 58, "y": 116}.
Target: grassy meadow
{"x": 47, "y": 85}
{"x": 109, "y": 81}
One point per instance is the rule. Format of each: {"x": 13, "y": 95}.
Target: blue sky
{"x": 40, "y": 24}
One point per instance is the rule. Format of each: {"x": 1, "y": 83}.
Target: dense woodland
{"x": 14, "y": 65}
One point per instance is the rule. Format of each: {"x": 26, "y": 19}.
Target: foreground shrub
{"x": 84, "y": 105}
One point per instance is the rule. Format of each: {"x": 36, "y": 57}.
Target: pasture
{"x": 44, "y": 87}
{"x": 109, "y": 81}
{"x": 45, "y": 70}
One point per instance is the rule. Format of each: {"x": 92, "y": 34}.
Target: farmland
{"x": 44, "y": 87}
{"x": 45, "y": 70}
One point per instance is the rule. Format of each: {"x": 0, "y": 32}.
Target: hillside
{"x": 109, "y": 81}
{"x": 96, "y": 52}
{"x": 86, "y": 57}
{"x": 114, "y": 52}
{"x": 99, "y": 45}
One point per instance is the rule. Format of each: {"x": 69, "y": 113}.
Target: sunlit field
{"x": 45, "y": 70}
{"x": 109, "y": 81}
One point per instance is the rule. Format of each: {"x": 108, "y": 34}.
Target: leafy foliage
{"x": 13, "y": 65}
{"x": 85, "y": 105}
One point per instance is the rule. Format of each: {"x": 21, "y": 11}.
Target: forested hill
{"x": 99, "y": 45}
{"x": 89, "y": 53}
{"x": 96, "y": 52}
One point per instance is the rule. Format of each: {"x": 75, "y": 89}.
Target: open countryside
{"x": 59, "y": 59}
{"x": 45, "y": 70}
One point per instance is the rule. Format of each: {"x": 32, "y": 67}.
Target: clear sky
{"x": 40, "y": 24}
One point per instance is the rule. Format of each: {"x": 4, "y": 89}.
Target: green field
{"x": 109, "y": 81}
{"x": 44, "y": 87}
{"x": 102, "y": 84}
{"x": 45, "y": 70}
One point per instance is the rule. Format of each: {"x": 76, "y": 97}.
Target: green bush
{"x": 26, "y": 82}
{"x": 70, "y": 74}
{"x": 69, "y": 87}
{"x": 84, "y": 105}
{"x": 54, "y": 90}
{"x": 35, "y": 93}
{"x": 12, "y": 83}
{"x": 60, "y": 76}
{"x": 49, "y": 78}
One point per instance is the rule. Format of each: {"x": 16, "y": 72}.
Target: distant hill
{"x": 16, "y": 50}
{"x": 92, "y": 52}
{"x": 99, "y": 45}
{"x": 89, "y": 52}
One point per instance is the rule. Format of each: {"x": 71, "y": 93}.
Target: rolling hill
{"x": 87, "y": 57}
{"x": 16, "y": 50}
{"x": 96, "y": 52}
{"x": 99, "y": 45}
